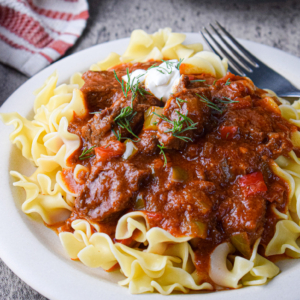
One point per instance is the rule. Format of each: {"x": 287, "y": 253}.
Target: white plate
{"x": 34, "y": 252}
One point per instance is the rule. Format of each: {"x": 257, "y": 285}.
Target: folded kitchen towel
{"x": 34, "y": 33}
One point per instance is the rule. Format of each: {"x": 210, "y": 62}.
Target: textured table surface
{"x": 274, "y": 23}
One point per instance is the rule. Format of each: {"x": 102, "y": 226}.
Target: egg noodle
{"x": 167, "y": 263}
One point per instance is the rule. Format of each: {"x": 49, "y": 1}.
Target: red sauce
{"x": 68, "y": 178}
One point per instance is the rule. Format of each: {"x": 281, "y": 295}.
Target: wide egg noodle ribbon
{"x": 262, "y": 270}
{"x": 219, "y": 271}
{"x": 145, "y": 270}
{"x": 43, "y": 198}
{"x": 131, "y": 222}
{"x": 287, "y": 231}
{"x": 206, "y": 62}
{"x": 27, "y": 136}
{"x": 48, "y": 147}
{"x": 168, "y": 45}
{"x": 45, "y": 92}
{"x": 285, "y": 239}
{"x": 255, "y": 271}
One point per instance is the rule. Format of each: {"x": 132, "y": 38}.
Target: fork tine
{"x": 241, "y": 59}
{"x": 252, "y": 59}
{"x": 233, "y": 62}
{"x": 213, "y": 48}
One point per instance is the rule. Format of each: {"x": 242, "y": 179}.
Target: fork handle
{"x": 290, "y": 94}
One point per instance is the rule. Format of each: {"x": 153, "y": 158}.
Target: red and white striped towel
{"x": 34, "y": 33}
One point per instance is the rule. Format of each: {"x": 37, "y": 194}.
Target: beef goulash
{"x": 199, "y": 164}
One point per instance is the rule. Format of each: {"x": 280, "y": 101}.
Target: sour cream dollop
{"x": 161, "y": 81}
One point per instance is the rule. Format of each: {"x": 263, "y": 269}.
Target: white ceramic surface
{"x": 34, "y": 252}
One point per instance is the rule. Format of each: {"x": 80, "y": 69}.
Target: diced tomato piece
{"x": 191, "y": 77}
{"x": 113, "y": 149}
{"x": 227, "y": 78}
{"x": 228, "y": 132}
{"x": 154, "y": 216}
{"x": 252, "y": 183}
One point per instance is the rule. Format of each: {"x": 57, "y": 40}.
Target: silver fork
{"x": 248, "y": 65}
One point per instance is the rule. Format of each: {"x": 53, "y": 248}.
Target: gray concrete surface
{"x": 274, "y": 23}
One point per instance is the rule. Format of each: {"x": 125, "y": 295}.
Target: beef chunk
{"x": 109, "y": 191}
{"x": 257, "y": 126}
{"x": 98, "y": 130}
{"x": 252, "y": 124}
{"x": 190, "y": 202}
{"x": 103, "y": 94}
{"x": 149, "y": 100}
{"x": 100, "y": 126}
{"x": 246, "y": 214}
{"x": 148, "y": 143}
{"x": 195, "y": 83}
{"x": 239, "y": 87}
{"x": 100, "y": 89}
{"x": 191, "y": 107}
{"x": 277, "y": 144}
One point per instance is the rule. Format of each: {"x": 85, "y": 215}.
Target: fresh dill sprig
{"x": 228, "y": 82}
{"x": 128, "y": 84}
{"x": 96, "y": 112}
{"x": 85, "y": 152}
{"x": 198, "y": 80}
{"x": 178, "y": 101}
{"x": 209, "y": 103}
{"x": 119, "y": 137}
{"x": 160, "y": 69}
{"x": 125, "y": 113}
{"x": 214, "y": 105}
{"x": 190, "y": 126}
{"x": 133, "y": 86}
{"x": 178, "y": 125}
{"x": 168, "y": 68}
{"x": 152, "y": 67}
{"x": 169, "y": 65}
{"x": 228, "y": 100}
{"x": 186, "y": 119}
{"x": 124, "y": 118}
{"x": 179, "y": 63}
{"x": 117, "y": 134}
{"x": 124, "y": 88}
{"x": 162, "y": 147}
{"x": 142, "y": 91}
